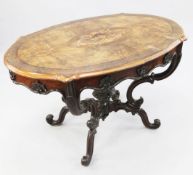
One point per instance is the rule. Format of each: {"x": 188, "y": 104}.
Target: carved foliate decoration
{"x": 39, "y": 87}
{"x": 12, "y": 75}
{"x": 93, "y": 123}
{"x": 105, "y": 95}
{"x": 142, "y": 71}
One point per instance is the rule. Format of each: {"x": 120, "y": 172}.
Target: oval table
{"x": 96, "y": 53}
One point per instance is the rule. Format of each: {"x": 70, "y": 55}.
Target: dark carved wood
{"x": 12, "y": 75}
{"x": 168, "y": 57}
{"x": 142, "y": 71}
{"x": 71, "y": 96}
{"x": 39, "y": 87}
{"x": 92, "y": 124}
{"x": 106, "y": 96}
{"x": 50, "y": 117}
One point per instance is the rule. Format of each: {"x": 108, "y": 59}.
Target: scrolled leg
{"x": 92, "y": 124}
{"x": 146, "y": 121}
{"x": 135, "y": 105}
{"x": 50, "y": 118}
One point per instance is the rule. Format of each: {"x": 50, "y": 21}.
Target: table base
{"x": 107, "y": 100}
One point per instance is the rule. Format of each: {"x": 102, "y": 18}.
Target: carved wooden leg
{"x": 135, "y": 105}
{"x": 92, "y": 124}
{"x": 60, "y": 119}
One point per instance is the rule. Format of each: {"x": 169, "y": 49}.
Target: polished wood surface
{"x": 94, "y": 46}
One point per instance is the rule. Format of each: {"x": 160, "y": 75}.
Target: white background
{"x": 29, "y": 146}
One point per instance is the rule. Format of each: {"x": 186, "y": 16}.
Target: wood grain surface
{"x": 93, "y": 46}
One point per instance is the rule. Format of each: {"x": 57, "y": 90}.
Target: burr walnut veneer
{"x": 96, "y": 53}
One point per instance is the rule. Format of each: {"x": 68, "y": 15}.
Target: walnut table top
{"x": 93, "y": 46}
